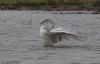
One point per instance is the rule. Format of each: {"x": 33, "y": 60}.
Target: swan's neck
{"x": 45, "y": 28}
{"x": 42, "y": 28}
{"x": 43, "y": 32}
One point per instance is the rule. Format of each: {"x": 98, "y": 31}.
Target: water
{"x": 20, "y": 42}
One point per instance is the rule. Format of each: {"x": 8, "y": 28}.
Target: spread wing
{"x": 59, "y": 34}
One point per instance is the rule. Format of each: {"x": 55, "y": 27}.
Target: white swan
{"x": 51, "y": 36}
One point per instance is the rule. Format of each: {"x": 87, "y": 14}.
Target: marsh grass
{"x": 49, "y": 2}
{"x": 96, "y": 3}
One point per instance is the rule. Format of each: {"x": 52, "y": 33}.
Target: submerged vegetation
{"x": 48, "y": 3}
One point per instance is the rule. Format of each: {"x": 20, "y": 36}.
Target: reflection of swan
{"x": 51, "y": 36}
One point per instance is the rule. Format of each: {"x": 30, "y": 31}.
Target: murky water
{"x": 20, "y": 42}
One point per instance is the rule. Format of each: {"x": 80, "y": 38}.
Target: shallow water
{"x": 20, "y": 42}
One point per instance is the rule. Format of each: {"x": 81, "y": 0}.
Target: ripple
{"x": 28, "y": 58}
{"x": 75, "y": 63}
{"x": 72, "y": 46}
{"x": 44, "y": 58}
{"x": 4, "y": 33}
{"x": 95, "y": 63}
{"x": 27, "y": 40}
{"x": 10, "y": 62}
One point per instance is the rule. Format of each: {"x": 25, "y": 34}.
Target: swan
{"x": 51, "y": 35}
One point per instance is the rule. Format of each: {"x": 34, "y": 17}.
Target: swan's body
{"x": 51, "y": 36}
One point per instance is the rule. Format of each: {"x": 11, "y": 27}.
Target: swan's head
{"x": 48, "y": 23}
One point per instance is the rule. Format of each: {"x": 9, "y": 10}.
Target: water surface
{"x": 20, "y": 42}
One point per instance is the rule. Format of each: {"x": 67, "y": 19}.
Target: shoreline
{"x": 96, "y": 10}
{"x": 52, "y": 8}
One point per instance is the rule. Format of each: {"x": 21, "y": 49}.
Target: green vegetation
{"x": 96, "y": 3}
{"x": 49, "y": 2}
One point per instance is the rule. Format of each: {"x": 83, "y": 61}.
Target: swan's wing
{"x": 58, "y": 34}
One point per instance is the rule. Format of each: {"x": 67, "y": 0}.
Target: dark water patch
{"x": 25, "y": 22}
{"x": 95, "y": 63}
{"x": 98, "y": 53}
{"x": 10, "y": 62}
{"x": 9, "y": 50}
{"x": 13, "y": 51}
{"x": 35, "y": 48}
{"x": 28, "y": 58}
{"x": 44, "y": 58}
{"x": 27, "y": 40}
{"x": 21, "y": 51}
{"x": 74, "y": 25}
{"x": 75, "y": 63}
{"x": 4, "y": 33}
{"x": 68, "y": 46}
{"x": 51, "y": 53}
{"x": 2, "y": 45}
{"x": 97, "y": 18}
{"x": 2, "y": 21}
{"x": 96, "y": 49}
{"x": 90, "y": 57}
{"x": 63, "y": 21}
{"x": 97, "y": 39}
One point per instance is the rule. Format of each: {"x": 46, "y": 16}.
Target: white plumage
{"x": 51, "y": 36}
